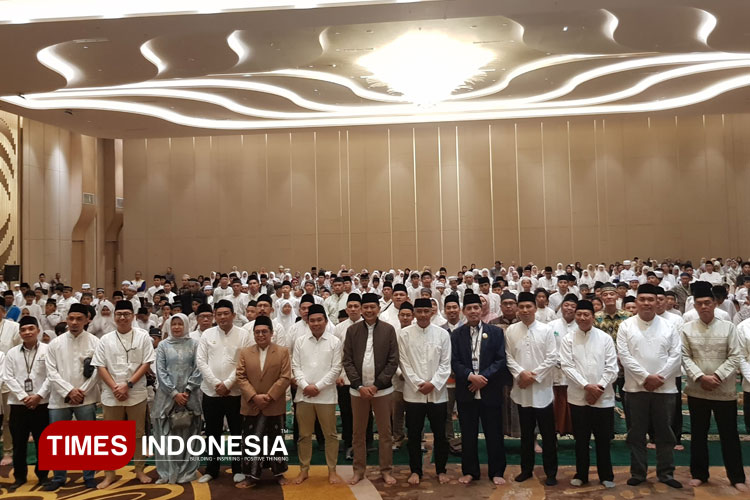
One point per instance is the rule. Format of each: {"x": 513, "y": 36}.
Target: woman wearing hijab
{"x": 586, "y": 279}
{"x": 177, "y": 402}
{"x": 104, "y": 322}
{"x": 559, "y": 270}
{"x": 601, "y": 274}
{"x": 285, "y": 313}
{"x": 437, "y": 318}
{"x": 487, "y": 315}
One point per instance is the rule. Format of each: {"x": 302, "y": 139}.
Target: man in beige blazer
{"x": 264, "y": 373}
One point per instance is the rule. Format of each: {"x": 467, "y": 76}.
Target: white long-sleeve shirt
{"x": 217, "y": 356}
{"x": 317, "y": 362}
{"x": 589, "y": 358}
{"x": 122, "y": 355}
{"x": 649, "y": 348}
{"x": 425, "y": 356}
{"x": 65, "y": 356}
{"x": 17, "y": 360}
{"x": 9, "y": 338}
{"x": 340, "y": 332}
{"x": 334, "y": 304}
{"x": 561, "y": 328}
{"x": 531, "y": 348}
{"x": 743, "y": 337}
{"x": 707, "y": 350}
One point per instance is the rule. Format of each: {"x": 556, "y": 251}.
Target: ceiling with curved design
{"x": 365, "y": 63}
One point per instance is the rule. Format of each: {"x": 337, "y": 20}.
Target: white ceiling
{"x": 279, "y": 67}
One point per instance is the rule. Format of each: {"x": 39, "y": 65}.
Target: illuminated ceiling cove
{"x": 308, "y": 64}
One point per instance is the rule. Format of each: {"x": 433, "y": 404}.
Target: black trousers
{"x": 676, "y": 418}
{"x": 214, "y": 411}
{"x": 544, "y": 419}
{"x": 470, "y": 413}
{"x": 746, "y": 410}
{"x": 22, "y": 423}
{"x": 725, "y": 413}
{"x": 600, "y": 422}
{"x": 415, "y": 415}
{"x": 646, "y": 409}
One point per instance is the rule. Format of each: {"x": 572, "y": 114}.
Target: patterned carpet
{"x": 317, "y": 488}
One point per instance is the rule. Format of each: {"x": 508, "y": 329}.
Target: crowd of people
{"x": 524, "y": 351}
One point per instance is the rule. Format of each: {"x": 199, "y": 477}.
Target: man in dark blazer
{"x": 478, "y": 361}
{"x": 370, "y": 360}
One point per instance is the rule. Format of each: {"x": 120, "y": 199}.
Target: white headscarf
{"x": 601, "y": 274}
{"x": 103, "y": 324}
{"x": 286, "y": 320}
{"x": 586, "y": 279}
{"x": 186, "y": 331}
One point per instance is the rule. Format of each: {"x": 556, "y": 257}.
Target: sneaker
{"x": 634, "y": 481}
{"x": 238, "y": 478}
{"x": 350, "y": 454}
{"x": 551, "y": 481}
{"x": 576, "y": 482}
{"x": 608, "y": 484}
{"x": 205, "y": 478}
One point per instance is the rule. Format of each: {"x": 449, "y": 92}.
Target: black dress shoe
{"x": 551, "y": 481}
{"x": 523, "y": 476}
{"x": 634, "y": 481}
{"x": 90, "y": 484}
{"x": 13, "y": 487}
{"x": 673, "y": 483}
{"x": 52, "y": 486}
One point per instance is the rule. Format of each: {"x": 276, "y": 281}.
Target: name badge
{"x": 475, "y": 364}
{"x": 28, "y": 385}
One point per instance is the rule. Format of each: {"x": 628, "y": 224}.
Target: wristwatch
{"x": 130, "y": 384}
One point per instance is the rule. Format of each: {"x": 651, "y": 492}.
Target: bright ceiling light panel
{"x": 426, "y": 67}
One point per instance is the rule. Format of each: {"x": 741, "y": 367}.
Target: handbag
{"x": 180, "y": 419}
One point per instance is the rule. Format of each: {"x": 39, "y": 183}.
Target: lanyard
{"x": 29, "y": 367}
{"x": 127, "y": 351}
{"x": 475, "y": 342}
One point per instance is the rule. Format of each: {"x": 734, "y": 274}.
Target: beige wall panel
{"x": 280, "y": 203}
{"x": 53, "y": 203}
{"x": 135, "y": 184}
{"x": 356, "y": 144}
{"x": 374, "y": 202}
{"x": 504, "y": 191}
{"x": 182, "y": 189}
{"x": 475, "y": 203}
{"x": 33, "y": 140}
{"x": 639, "y": 188}
{"x": 332, "y": 241}
{"x": 346, "y": 197}
{"x": 450, "y": 194}
{"x": 402, "y": 197}
{"x": 253, "y": 207}
{"x": 557, "y": 204}
{"x": 304, "y": 206}
{"x": 34, "y": 181}
{"x": 692, "y": 167}
{"x": 530, "y": 192}
{"x": 428, "y": 197}
{"x": 159, "y": 196}
{"x": 228, "y": 171}
{"x": 715, "y": 198}
{"x": 585, "y": 234}
{"x": 205, "y": 185}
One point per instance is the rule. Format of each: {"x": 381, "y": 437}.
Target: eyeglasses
{"x": 123, "y": 314}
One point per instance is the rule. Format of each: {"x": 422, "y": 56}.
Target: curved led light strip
{"x": 48, "y": 57}
{"x": 610, "y": 26}
{"x": 238, "y": 47}
{"x": 206, "y": 123}
{"x": 25, "y": 11}
{"x": 239, "y": 108}
{"x": 148, "y": 52}
{"x": 706, "y": 27}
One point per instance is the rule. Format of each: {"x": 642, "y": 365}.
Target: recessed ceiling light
{"x": 565, "y": 28}
{"x": 426, "y": 67}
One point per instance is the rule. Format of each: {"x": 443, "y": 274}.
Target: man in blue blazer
{"x": 478, "y": 361}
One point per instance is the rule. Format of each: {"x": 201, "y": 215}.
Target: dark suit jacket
{"x": 272, "y": 380}
{"x": 385, "y": 351}
{"x": 491, "y": 363}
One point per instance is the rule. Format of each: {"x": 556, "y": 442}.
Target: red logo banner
{"x": 87, "y": 445}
